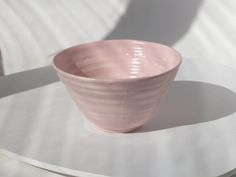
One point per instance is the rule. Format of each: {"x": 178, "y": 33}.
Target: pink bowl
{"x": 118, "y": 84}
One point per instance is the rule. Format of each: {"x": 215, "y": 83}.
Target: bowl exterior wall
{"x": 119, "y": 106}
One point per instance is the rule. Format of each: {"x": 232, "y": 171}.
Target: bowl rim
{"x": 90, "y": 79}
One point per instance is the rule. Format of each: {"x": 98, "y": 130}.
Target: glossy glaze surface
{"x": 120, "y": 59}
{"x": 118, "y": 84}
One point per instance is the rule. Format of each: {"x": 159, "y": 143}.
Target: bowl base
{"x": 116, "y": 131}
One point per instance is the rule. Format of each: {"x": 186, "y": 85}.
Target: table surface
{"x": 196, "y": 138}
{"x": 32, "y": 30}
{"x": 10, "y": 167}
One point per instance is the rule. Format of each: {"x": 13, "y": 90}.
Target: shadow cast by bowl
{"x": 231, "y": 173}
{"x": 189, "y": 102}
{"x": 163, "y": 21}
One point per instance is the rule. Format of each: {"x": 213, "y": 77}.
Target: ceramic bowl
{"x": 118, "y": 84}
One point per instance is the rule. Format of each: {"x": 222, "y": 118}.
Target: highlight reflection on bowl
{"x": 118, "y": 84}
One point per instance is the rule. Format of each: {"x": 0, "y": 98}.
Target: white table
{"x": 10, "y": 167}
{"x": 194, "y": 135}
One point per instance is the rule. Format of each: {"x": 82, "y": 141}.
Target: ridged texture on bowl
{"x": 99, "y": 80}
{"x": 119, "y": 107}
{"x": 120, "y": 59}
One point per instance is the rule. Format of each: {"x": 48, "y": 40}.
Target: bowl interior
{"x": 117, "y": 59}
